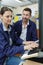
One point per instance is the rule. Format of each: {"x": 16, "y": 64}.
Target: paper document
{"x": 25, "y": 56}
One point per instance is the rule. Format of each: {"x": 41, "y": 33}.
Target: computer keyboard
{"x": 35, "y": 50}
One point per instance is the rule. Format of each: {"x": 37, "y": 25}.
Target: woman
{"x": 7, "y": 37}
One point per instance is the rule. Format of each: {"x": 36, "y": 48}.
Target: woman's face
{"x": 7, "y": 17}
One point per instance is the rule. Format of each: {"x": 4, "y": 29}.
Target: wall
{"x": 34, "y": 8}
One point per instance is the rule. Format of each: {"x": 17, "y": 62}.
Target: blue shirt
{"x": 31, "y": 34}
{"x": 6, "y": 49}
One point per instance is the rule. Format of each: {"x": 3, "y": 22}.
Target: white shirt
{"x": 24, "y": 31}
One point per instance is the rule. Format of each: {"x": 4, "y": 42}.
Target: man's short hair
{"x": 27, "y": 9}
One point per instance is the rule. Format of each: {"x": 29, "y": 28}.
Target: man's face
{"x": 26, "y": 16}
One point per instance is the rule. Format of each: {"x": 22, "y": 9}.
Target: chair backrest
{"x": 38, "y": 33}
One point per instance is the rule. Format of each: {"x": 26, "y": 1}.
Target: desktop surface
{"x": 29, "y": 62}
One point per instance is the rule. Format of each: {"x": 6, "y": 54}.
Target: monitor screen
{"x": 41, "y": 24}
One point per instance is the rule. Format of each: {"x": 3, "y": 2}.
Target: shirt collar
{"x": 5, "y": 29}
{"x": 26, "y": 25}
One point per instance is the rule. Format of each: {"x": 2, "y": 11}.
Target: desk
{"x": 29, "y": 62}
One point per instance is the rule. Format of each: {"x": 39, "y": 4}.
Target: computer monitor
{"x": 41, "y": 24}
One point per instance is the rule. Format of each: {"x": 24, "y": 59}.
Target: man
{"x": 25, "y": 29}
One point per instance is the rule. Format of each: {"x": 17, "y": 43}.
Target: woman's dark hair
{"x": 3, "y": 9}
{"x": 27, "y": 9}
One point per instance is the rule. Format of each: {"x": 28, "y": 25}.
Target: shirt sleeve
{"x": 15, "y": 37}
{"x": 6, "y": 49}
{"x": 34, "y": 32}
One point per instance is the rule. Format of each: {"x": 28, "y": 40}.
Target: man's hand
{"x": 27, "y": 42}
{"x": 31, "y": 45}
